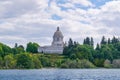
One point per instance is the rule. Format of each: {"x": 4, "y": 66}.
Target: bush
{"x": 107, "y": 64}
{"x": 36, "y": 62}
{"x": 116, "y": 63}
{"x": 1, "y": 62}
{"x": 86, "y": 64}
{"x": 77, "y": 64}
{"x": 9, "y": 62}
{"x": 24, "y": 61}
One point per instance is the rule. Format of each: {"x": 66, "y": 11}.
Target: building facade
{"x": 57, "y": 44}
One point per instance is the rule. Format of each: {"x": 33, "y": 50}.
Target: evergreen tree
{"x": 103, "y": 41}
{"x": 114, "y": 40}
{"x": 16, "y": 45}
{"x": 109, "y": 41}
{"x": 70, "y": 43}
{"x": 97, "y": 47}
{"x": 92, "y": 42}
{"x": 84, "y": 42}
{"x": 88, "y": 41}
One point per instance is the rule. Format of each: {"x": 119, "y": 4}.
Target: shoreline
{"x": 60, "y": 68}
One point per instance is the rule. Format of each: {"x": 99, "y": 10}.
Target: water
{"x": 61, "y": 74}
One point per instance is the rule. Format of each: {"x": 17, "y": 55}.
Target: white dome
{"x": 58, "y": 33}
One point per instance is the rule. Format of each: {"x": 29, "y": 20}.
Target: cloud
{"x": 22, "y": 21}
{"x": 73, "y": 4}
{"x": 82, "y": 2}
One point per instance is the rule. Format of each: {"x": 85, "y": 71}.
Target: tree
{"x": 109, "y": 41}
{"x": 114, "y": 40}
{"x": 16, "y": 45}
{"x": 69, "y": 49}
{"x": 24, "y": 60}
{"x": 99, "y": 62}
{"x": 77, "y": 64}
{"x": 116, "y": 63}
{"x": 107, "y": 64}
{"x": 36, "y": 62}
{"x": 35, "y": 47}
{"x": 45, "y": 61}
{"x": 65, "y": 51}
{"x": 103, "y": 41}
{"x": 70, "y": 43}
{"x": 9, "y": 61}
{"x": 29, "y": 47}
{"x": 92, "y": 42}
{"x": 97, "y": 47}
{"x": 1, "y": 62}
{"x": 84, "y": 42}
{"x": 4, "y": 50}
{"x": 106, "y": 51}
{"x": 32, "y": 47}
{"x": 88, "y": 40}
{"x": 84, "y": 52}
{"x": 18, "y": 49}
{"x": 1, "y": 52}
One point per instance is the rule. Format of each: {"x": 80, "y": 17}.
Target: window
{"x": 57, "y": 39}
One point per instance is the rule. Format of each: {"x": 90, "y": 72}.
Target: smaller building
{"x": 56, "y": 46}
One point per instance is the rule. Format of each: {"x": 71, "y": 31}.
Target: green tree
{"x": 99, "y": 62}
{"x": 77, "y": 64}
{"x": 16, "y": 45}
{"x": 68, "y": 50}
{"x": 1, "y": 52}
{"x": 9, "y": 61}
{"x": 4, "y": 50}
{"x": 92, "y": 42}
{"x": 87, "y": 41}
{"x": 107, "y": 64}
{"x": 32, "y": 47}
{"x": 109, "y": 41}
{"x": 97, "y": 47}
{"x": 18, "y": 49}
{"x": 116, "y": 63}
{"x": 103, "y": 41}
{"x": 1, "y": 62}
{"x": 70, "y": 43}
{"x": 106, "y": 51}
{"x": 36, "y": 62}
{"x": 24, "y": 60}
{"x": 45, "y": 61}
{"x": 85, "y": 51}
{"x": 115, "y": 40}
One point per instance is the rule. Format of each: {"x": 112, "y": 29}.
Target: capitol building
{"x": 56, "y": 46}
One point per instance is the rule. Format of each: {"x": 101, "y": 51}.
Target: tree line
{"x": 105, "y": 52}
{"x": 75, "y": 55}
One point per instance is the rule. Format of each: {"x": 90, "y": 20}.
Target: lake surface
{"x": 61, "y": 74}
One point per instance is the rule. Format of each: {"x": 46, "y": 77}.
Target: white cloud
{"x": 31, "y": 20}
{"x": 73, "y": 4}
{"x": 6, "y": 26}
{"x": 67, "y": 5}
{"x": 82, "y": 2}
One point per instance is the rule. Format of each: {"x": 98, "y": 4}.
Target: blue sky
{"x": 22, "y": 21}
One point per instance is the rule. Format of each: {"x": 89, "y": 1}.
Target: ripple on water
{"x": 61, "y": 74}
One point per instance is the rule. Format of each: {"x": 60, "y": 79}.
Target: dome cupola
{"x": 58, "y": 33}
{"x": 58, "y": 38}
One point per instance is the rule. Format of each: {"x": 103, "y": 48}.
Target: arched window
{"x": 57, "y": 39}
